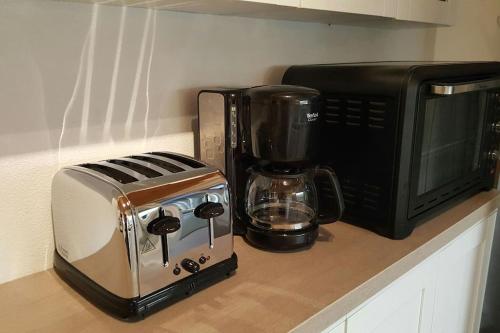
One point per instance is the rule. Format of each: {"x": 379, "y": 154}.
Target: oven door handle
{"x": 446, "y": 89}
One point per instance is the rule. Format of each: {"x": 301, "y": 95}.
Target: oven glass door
{"x": 448, "y": 156}
{"x": 451, "y": 140}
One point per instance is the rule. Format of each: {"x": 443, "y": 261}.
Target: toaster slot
{"x": 184, "y": 160}
{"x": 117, "y": 175}
{"x": 150, "y": 173}
{"x": 136, "y": 175}
{"x": 161, "y": 163}
{"x": 146, "y": 164}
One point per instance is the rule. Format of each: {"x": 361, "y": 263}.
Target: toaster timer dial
{"x": 190, "y": 265}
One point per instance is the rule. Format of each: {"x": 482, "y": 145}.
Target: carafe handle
{"x": 330, "y": 198}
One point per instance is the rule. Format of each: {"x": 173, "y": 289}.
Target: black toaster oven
{"x": 407, "y": 139}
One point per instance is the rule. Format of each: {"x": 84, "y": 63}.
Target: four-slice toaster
{"x": 138, "y": 233}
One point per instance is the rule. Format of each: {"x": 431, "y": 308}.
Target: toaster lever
{"x": 163, "y": 225}
{"x": 209, "y": 210}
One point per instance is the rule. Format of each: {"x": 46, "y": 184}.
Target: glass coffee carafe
{"x": 285, "y": 200}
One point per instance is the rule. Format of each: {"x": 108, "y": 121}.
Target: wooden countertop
{"x": 271, "y": 292}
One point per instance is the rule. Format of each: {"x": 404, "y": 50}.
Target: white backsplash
{"x": 83, "y": 82}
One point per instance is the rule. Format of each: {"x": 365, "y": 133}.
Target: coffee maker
{"x": 266, "y": 140}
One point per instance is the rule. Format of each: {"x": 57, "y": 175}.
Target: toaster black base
{"x": 137, "y": 308}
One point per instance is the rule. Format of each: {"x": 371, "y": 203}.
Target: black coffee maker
{"x": 266, "y": 141}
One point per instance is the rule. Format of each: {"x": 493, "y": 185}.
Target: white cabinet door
{"x": 442, "y": 294}
{"x": 461, "y": 278}
{"x": 428, "y": 11}
{"x": 367, "y": 7}
{"x": 404, "y": 306}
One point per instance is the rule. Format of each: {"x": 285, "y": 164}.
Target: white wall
{"x": 81, "y": 82}
{"x": 475, "y": 35}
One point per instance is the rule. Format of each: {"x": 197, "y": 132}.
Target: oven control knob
{"x": 208, "y": 210}
{"x": 493, "y": 155}
{"x": 202, "y": 260}
{"x": 163, "y": 225}
{"x": 190, "y": 265}
{"x": 496, "y": 127}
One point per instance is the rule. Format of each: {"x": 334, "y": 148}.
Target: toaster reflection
{"x": 193, "y": 233}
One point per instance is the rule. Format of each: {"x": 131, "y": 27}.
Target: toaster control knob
{"x": 208, "y": 210}
{"x": 190, "y": 265}
{"x": 163, "y": 225}
{"x": 202, "y": 260}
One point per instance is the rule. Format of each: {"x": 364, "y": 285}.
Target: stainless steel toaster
{"x": 138, "y": 233}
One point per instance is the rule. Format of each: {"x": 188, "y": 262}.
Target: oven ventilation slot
{"x": 356, "y": 112}
{"x": 350, "y": 193}
{"x": 349, "y": 197}
{"x": 117, "y": 175}
{"x": 150, "y": 173}
{"x": 353, "y": 112}
{"x": 162, "y": 164}
{"x": 371, "y": 196}
{"x": 333, "y": 108}
{"x": 361, "y": 196}
{"x": 184, "y": 160}
{"x": 376, "y": 114}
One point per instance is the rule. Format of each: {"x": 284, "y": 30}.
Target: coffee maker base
{"x": 281, "y": 240}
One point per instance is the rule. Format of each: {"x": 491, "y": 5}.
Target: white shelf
{"x": 324, "y": 11}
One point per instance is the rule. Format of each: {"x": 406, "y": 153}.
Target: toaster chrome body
{"x": 103, "y": 214}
